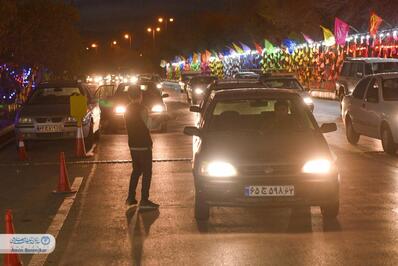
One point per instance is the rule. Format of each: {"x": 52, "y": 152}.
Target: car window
{"x": 346, "y": 69}
{"x": 390, "y": 89}
{"x": 105, "y": 91}
{"x": 385, "y": 67}
{"x": 353, "y": 70}
{"x": 292, "y": 84}
{"x": 368, "y": 69}
{"x": 372, "y": 94}
{"x": 56, "y": 95}
{"x": 359, "y": 90}
{"x": 266, "y": 115}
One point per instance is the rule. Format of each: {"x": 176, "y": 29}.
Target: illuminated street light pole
{"x": 95, "y": 47}
{"x": 113, "y": 44}
{"x": 127, "y": 36}
{"x": 166, "y": 21}
{"x": 153, "y": 30}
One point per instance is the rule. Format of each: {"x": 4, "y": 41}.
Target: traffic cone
{"x": 22, "y": 155}
{"x": 63, "y": 181}
{"x": 80, "y": 147}
{"x": 10, "y": 259}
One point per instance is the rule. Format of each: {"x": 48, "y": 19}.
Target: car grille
{"x": 49, "y": 119}
{"x": 269, "y": 170}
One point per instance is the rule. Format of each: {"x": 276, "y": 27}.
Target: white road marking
{"x": 58, "y": 221}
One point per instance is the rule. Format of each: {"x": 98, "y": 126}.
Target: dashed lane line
{"x": 58, "y": 221}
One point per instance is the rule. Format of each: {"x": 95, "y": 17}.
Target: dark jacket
{"x": 136, "y": 117}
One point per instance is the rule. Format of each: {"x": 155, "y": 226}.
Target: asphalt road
{"x": 101, "y": 230}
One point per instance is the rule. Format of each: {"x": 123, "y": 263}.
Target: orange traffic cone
{"x": 10, "y": 259}
{"x": 80, "y": 147}
{"x": 22, "y": 155}
{"x": 63, "y": 182}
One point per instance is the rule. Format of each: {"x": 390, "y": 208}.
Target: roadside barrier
{"x": 10, "y": 259}
{"x": 63, "y": 181}
{"x": 12, "y": 164}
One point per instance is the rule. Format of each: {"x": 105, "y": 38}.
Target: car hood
{"x": 45, "y": 110}
{"x": 253, "y": 148}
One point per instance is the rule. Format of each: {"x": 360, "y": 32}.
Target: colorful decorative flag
{"x": 289, "y": 44}
{"x": 195, "y": 58}
{"x": 328, "y": 37}
{"x": 231, "y": 50}
{"x": 307, "y": 39}
{"x": 208, "y": 55}
{"x": 237, "y": 48}
{"x": 268, "y": 46}
{"x": 245, "y": 47}
{"x": 341, "y": 30}
{"x": 374, "y": 24}
{"x": 258, "y": 48}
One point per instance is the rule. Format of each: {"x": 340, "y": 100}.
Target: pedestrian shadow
{"x": 139, "y": 222}
{"x": 296, "y": 220}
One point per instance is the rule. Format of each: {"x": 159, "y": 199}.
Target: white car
{"x": 372, "y": 110}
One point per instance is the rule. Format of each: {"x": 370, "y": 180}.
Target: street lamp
{"x": 95, "y": 47}
{"x": 128, "y": 37}
{"x": 165, "y": 20}
{"x": 153, "y": 30}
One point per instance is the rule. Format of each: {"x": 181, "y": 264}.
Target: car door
{"x": 372, "y": 109}
{"x": 357, "y": 111}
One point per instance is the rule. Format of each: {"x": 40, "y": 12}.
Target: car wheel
{"x": 352, "y": 136}
{"x": 89, "y": 140}
{"x": 202, "y": 210}
{"x": 387, "y": 141}
{"x": 330, "y": 211}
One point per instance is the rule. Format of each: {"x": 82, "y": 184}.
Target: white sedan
{"x": 372, "y": 110}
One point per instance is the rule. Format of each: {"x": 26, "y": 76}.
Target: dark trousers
{"x": 142, "y": 165}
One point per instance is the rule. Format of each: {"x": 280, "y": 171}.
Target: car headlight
{"x": 134, "y": 80}
{"x": 308, "y": 100}
{"x": 198, "y": 91}
{"x": 70, "y": 119}
{"x": 25, "y": 120}
{"x": 218, "y": 169}
{"x": 320, "y": 166}
{"x": 159, "y": 85}
{"x": 157, "y": 108}
{"x": 120, "y": 109}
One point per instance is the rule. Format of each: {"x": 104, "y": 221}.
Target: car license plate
{"x": 48, "y": 128}
{"x": 269, "y": 191}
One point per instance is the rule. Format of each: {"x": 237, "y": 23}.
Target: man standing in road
{"x": 140, "y": 144}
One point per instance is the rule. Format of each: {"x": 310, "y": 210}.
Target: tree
{"x": 44, "y": 35}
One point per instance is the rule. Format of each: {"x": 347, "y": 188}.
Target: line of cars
{"x": 254, "y": 145}
{"x": 46, "y": 115}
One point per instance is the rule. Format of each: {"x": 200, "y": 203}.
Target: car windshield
{"x": 264, "y": 115}
{"x": 150, "y": 94}
{"x": 390, "y": 89}
{"x": 385, "y": 67}
{"x": 56, "y": 95}
{"x": 292, "y": 84}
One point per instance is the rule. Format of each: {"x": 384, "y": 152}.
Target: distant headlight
{"x": 199, "y": 91}
{"x": 308, "y": 100}
{"x": 320, "y": 166}
{"x": 159, "y": 85}
{"x": 218, "y": 169}
{"x": 25, "y": 120}
{"x": 134, "y": 79}
{"x": 70, "y": 119}
{"x": 120, "y": 109}
{"x": 157, "y": 108}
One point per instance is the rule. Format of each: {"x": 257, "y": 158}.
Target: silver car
{"x": 46, "y": 115}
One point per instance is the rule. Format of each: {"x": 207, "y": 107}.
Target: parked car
{"x": 371, "y": 110}
{"x": 245, "y": 153}
{"x": 186, "y": 77}
{"x": 153, "y": 78}
{"x": 152, "y": 99}
{"x": 46, "y": 115}
{"x": 354, "y": 69}
{"x": 196, "y": 88}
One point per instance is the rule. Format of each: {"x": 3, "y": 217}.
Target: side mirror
{"x": 328, "y": 127}
{"x": 195, "y": 109}
{"x": 192, "y": 131}
{"x": 165, "y": 95}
